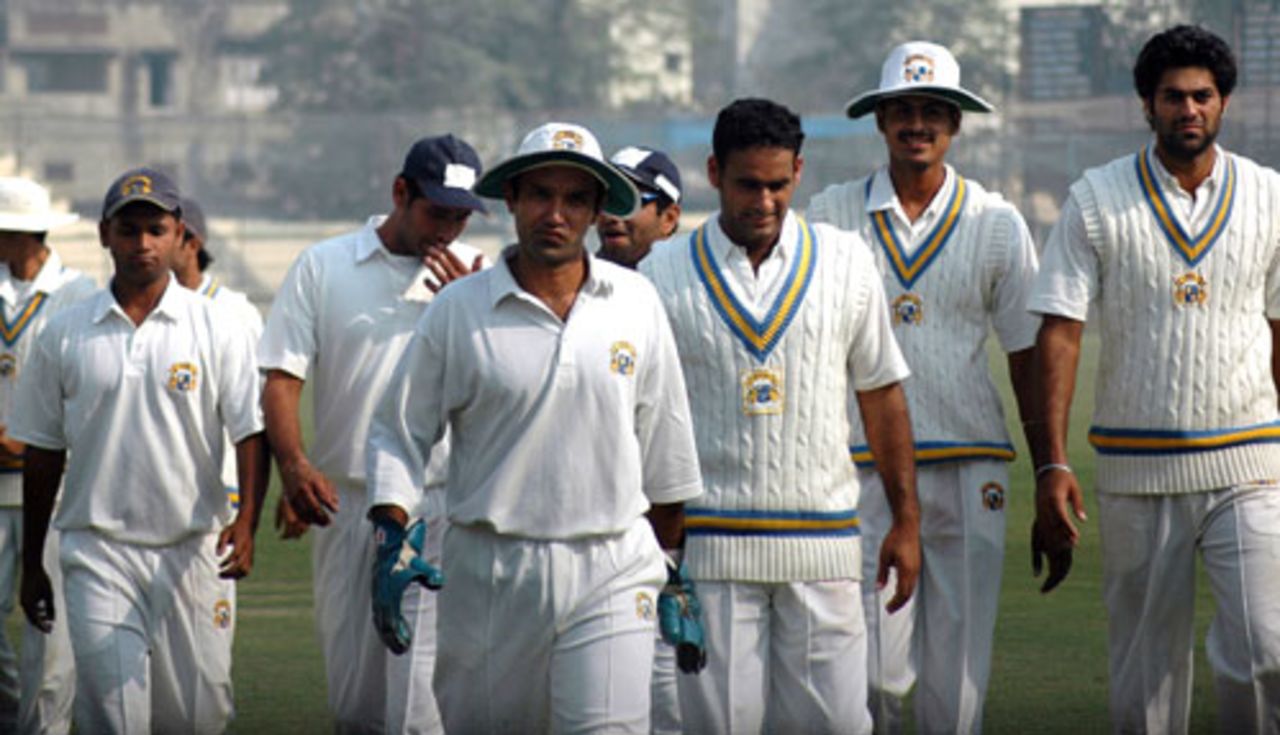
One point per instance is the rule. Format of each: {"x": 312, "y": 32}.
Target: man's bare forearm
{"x": 1057, "y": 357}
{"x": 41, "y": 475}
{"x": 668, "y": 524}
{"x": 281, "y": 400}
{"x": 888, "y": 428}
{"x": 253, "y": 466}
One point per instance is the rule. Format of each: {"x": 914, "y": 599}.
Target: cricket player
{"x": 130, "y": 390}
{"x": 556, "y": 374}
{"x": 35, "y": 692}
{"x": 1175, "y": 249}
{"x": 779, "y": 323}
{"x": 340, "y": 320}
{"x": 627, "y": 241}
{"x": 956, "y": 261}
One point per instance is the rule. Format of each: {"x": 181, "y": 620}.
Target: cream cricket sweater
{"x": 942, "y": 296}
{"x": 1185, "y": 397}
{"x": 768, "y": 392}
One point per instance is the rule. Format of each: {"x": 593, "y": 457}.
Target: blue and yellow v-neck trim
{"x": 908, "y": 268}
{"x": 1191, "y": 249}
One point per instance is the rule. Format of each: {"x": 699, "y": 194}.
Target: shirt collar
{"x": 723, "y": 248}
{"x": 884, "y": 196}
{"x": 502, "y": 282}
{"x": 169, "y": 307}
{"x": 1169, "y": 182}
{"x": 368, "y": 243}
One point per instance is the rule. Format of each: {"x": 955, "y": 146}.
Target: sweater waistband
{"x": 934, "y": 452}
{"x": 719, "y": 522}
{"x": 1110, "y": 440}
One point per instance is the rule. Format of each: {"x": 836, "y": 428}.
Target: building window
{"x": 673, "y": 62}
{"x": 59, "y": 171}
{"x": 159, "y": 78}
{"x": 64, "y": 72}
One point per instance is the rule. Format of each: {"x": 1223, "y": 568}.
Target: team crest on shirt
{"x": 566, "y": 140}
{"x": 622, "y": 359}
{"x": 644, "y": 606}
{"x": 908, "y": 309}
{"x": 993, "y": 496}
{"x": 8, "y": 366}
{"x": 1190, "y": 289}
{"x": 917, "y": 69}
{"x": 761, "y": 392}
{"x": 222, "y": 614}
{"x": 182, "y": 377}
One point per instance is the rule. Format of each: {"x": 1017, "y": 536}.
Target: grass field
{"x": 1049, "y": 670}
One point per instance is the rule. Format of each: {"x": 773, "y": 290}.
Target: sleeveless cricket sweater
{"x": 1185, "y": 400}
{"x": 769, "y": 405}
{"x": 940, "y": 298}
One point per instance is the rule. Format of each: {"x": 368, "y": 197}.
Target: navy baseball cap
{"x": 650, "y": 169}
{"x": 193, "y": 217}
{"x": 445, "y": 169}
{"x": 142, "y": 185}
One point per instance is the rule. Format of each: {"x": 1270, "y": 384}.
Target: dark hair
{"x": 203, "y": 259}
{"x": 1181, "y": 47}
{"x": 412, "y": 188}
{"x": 755, "y": 123}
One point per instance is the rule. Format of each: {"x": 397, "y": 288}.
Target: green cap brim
{"x": 964, "y": 99}
{"x": 621, "y": 196}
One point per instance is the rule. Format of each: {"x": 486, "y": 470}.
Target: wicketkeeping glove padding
{"x": 398, "y": 564}
{"x": 680, "y": 619}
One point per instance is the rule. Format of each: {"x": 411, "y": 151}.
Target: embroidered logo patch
{"x": 8, "y": 366}
{"x": 622, "y": 359}
{"x": 566, "y": 140}
{"x": 644, "y": 606}
{"x": 1190, "y": 290}
{"x": 908, "y": 309}
{"x": 917, "y": 69}
{"x": 993, "y": 496}
{"x": 135, "y": 185}
{"x": 222, "y": 614}
{"x": 182, "y": 377}
{"x": 762, "y": 392}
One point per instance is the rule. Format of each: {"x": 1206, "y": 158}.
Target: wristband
{"x": 1045, "y": 469}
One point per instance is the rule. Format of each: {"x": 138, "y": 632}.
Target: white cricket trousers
{"x": 664, "y": 692}
{"x": 151, "y": 634}
{"x": 1149, "y": 546}
{"x": 47, "y": 669}
{"x": 547, "y": 635}
{"x": 941, "y": 640}
{"x": 781, "y": 658}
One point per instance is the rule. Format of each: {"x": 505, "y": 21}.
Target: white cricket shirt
{"x": 341, "y": 319}
{"x": 140, "y": 410}
{"x": 27, "y": 307}
{"x": 559, "y": 429}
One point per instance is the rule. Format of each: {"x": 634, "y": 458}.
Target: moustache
{"x": 906, "y": 136}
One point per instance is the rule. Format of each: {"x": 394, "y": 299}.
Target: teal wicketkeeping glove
{"x": 680, "y": 619}
{"x": 398, "y": 564}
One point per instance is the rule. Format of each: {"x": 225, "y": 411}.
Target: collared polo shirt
{"x": 140, "y": 409}
{"x": 559, "y": 429}
{"x": 340, "y": 320}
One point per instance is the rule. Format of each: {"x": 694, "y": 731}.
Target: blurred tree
{"x": 331, "y": 55}
{"x": 844, "y": 44}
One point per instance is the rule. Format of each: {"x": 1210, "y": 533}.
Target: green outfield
{"x": 1049, "y": 671}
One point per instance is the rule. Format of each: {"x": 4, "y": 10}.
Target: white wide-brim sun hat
{"x": 564, "y": 144}
{"x": 25, "y": 206}
{"x": 919, "y": 67}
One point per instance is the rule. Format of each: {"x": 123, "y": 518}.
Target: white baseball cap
{"x": 25, "y": 207}
{"x": 564, "y": 144}
{"x": 919, "y": 67}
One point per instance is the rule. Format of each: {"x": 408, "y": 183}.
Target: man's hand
{"x": 446, "y": 268}
{"x": 37, "y": 599}
{"x": 900, "y": 552}
{"x": 238, "y": 562}
{"x": 1054, "y": 533}
{"x": 288, "y": 523}
{"x": 398, "y": 564}
{"x": 680, "y": 619}
{"x": 309, "y": 492}
{"x": 11, "y": 450}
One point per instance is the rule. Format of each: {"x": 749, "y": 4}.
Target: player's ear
{"x": 713, "y": 171}
{"x": 103, "y": 227}
{"x": 670, "y": 219}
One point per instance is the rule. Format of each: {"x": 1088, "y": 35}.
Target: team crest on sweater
{"x": 182, "y": 377}
{"x": 908, "y": 309}
{"x": 993, "y": 496}
{"x": 8, "y": 366}
{"x": 622, "y": 359}
{"x": 1190, "y": 289}
{"x": 761, "y": 392}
